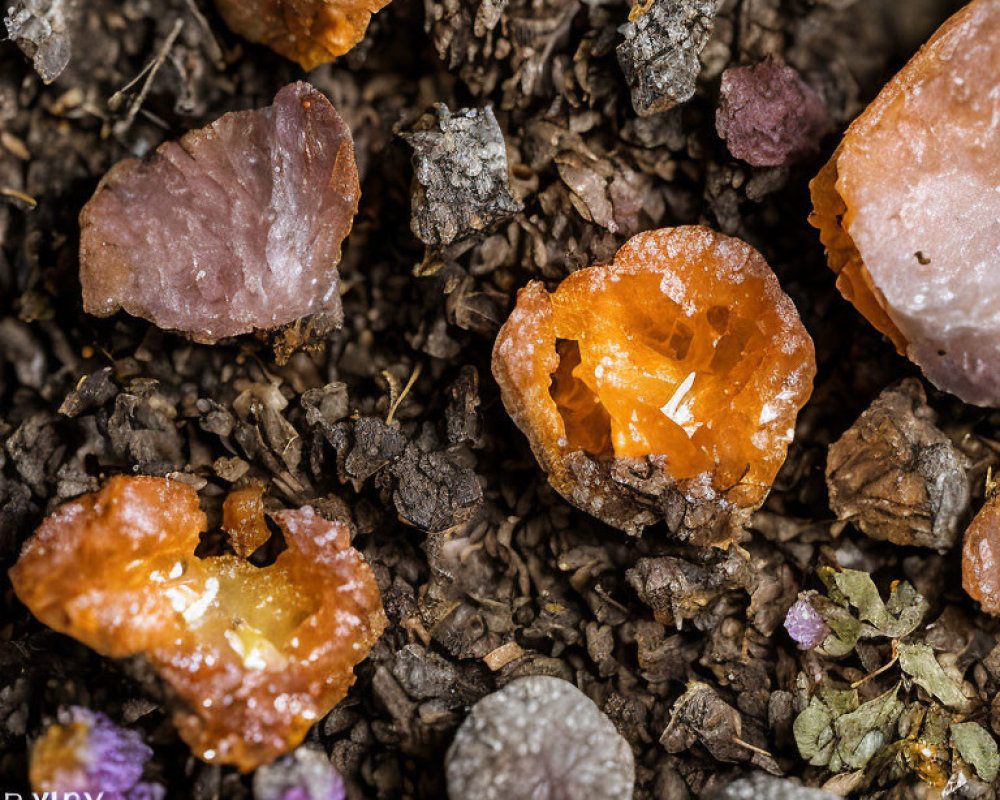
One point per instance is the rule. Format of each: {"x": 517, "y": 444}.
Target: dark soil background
{"x": 82, "y": 398}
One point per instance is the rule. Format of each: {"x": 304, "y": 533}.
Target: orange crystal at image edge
{"x": 981, "y": 557}
{"x": 907, "y": 207}
{"x": 255, "y": 656}
{"x": 684, "y": 352}
{"x": 311, "y": 32}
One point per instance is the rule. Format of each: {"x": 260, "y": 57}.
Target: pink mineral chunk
{"x": 768, "y": 115}
{"x": 235, "y": 227}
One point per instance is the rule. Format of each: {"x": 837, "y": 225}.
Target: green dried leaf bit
{"x": 918, "y": 661}
{"x": 854, "y": 610}
{"x": 978, "y": 748}
{"x": 837, "y": 731}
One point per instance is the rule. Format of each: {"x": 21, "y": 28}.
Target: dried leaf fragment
{"x": 977, "y": 747}
{"x": 896, "y": 476}
{"x": 663, "y": 386}
{"x": 235, "y": 227}
{"x": 311, "y": 32}
{"x": 837, "y": 731}
{"x": 880, "y": 200}
{"x": 254, "y": 656}
{"x": 918, "y": 661}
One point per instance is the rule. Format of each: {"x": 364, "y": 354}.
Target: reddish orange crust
{"x": 243, "y": 519}
{"x": 981, "y": 557}
{"x": 254, "y": 656}
{"x": 679, "y": 368}
{"x": 311, "y": 32}
{"x": 831, "y": 192}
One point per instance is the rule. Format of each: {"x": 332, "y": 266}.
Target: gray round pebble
{"x": 539, "y": 738}
{"x": 766, "y": 787}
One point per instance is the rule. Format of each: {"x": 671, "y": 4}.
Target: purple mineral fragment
{"x": 768, "y": 115}
{"x": 235, "y": 227}
{"x": 85, "y": 751}
{"x": 804, "y": 624}
{"x": 306, "y": 774}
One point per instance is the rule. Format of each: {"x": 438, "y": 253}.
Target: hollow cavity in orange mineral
{"x": 312, "y": 32}
{"x": 909, "y": 211}
{"x": 253, "y": 655}
{"x": 981, "y": 557}
{"x": 681, "y": 365}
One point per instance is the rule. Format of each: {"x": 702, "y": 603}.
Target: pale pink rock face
{"x": 235, "y": 227}
{"x": 921, "y": 181}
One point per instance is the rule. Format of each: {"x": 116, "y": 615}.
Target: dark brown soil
{"x": 82, "y": 398}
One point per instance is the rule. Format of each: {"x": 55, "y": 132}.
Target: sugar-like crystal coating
{"x": 981, "y": 557}
{"x": 254, "y": 655}
{"x": 85, "y": 751}
{"x": 539, "y": 737}
{"x": 312, "y": 32}
{"x": 234, "y": 227}
{"x": 683, "y": 358}
{"x": 805, "y": 625}
{"x": 909, "y": 211}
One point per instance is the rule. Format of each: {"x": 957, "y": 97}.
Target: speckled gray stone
{"x": 462, "y": 184}
{"x": 660, "y": 54}
{"x": 539, "y": 738}
{"x": 767, "y": 787}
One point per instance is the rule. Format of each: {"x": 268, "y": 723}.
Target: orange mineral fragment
{"x": 664, "y": 386}
{"x": 909, "y": 211}
{"x": 312, "y": 32}
{"x": 254, "y": 656}
{"x": 981, "y": 557}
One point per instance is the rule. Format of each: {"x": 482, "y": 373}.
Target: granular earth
{"x": 395, "y": 420}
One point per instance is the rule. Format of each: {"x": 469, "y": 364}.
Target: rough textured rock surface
{"x": 664, "y": 386}
{"x": 235, "y": 227}
{"x": 312, "y": 32}
{"x": 539, "y": 737}
{"x": 253, "y": 655}
{"x": 462, "y": 185}
{"x": 768, "y": 115}
{"x": 896, "y": 476}
{"x": 660, "y": 54}
{"x": 767, "y": 787}
{"x": 41, "y": 28}
{"x": 981, "y": 557}
{"x": 924, "y": 152}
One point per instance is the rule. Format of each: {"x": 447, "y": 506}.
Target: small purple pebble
{"x": 768, "y": 115}
{"x": 804, "y": 624}
{"x": 84, "y": 750}
{"x": 305, "y": 774}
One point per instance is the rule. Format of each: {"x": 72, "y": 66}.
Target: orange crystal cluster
{"x": 254, "y": 655}
{"x": 312, "y": 32}
{"x": 909, "y": 212}
{"x": 680, "y": 367}
{"x": 981, "y": 557}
